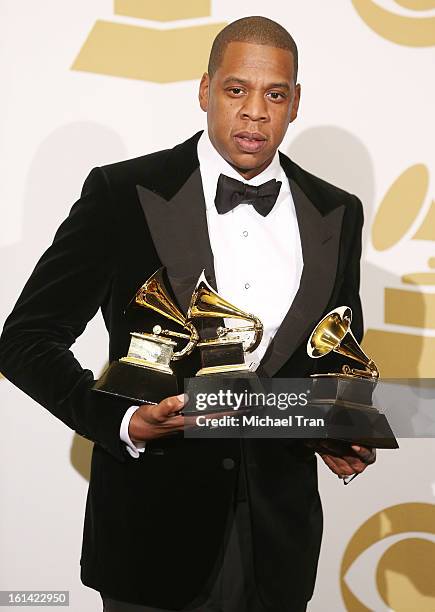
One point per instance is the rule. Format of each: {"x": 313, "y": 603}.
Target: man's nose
{"x": 255, "y": 107}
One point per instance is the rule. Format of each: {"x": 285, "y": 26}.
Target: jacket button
{"x": 228, "y": 463}
{"x": 157, "y": 451}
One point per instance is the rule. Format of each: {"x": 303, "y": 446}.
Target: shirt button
{"x": 228, "y": 463}
{"x": 247, "y": 285}
{"x": 245, "y": 233}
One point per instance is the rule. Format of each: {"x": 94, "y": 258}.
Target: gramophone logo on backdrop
{"x": 407, "y": 354}
{"x": 175, "y": 53}
{"x": 411, "y": 25}
{"x": 399, "y": 543}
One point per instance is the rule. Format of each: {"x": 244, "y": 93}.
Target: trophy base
{"x": 345, "y": 404}
{"x": 355, "y": 424}
{"x": 139, "y": 384}
{"x": 222, "y": 359}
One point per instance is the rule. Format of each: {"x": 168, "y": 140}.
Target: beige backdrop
{"x": 84, "y": 84}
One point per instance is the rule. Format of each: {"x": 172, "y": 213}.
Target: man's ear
{"x": 203, "y": 91}
{"x": 295, "y": 105}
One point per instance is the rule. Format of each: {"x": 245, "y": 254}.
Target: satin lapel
{"x": 320, "y": 239}
{"x": 178, "y": 228}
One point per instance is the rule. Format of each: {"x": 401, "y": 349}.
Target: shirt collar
{"x": 212, "y": 164}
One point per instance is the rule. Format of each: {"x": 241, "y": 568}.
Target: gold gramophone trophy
{"x": 145, "y": 375}
{"x": 223, "y": 355}
{"x": 346, "y": 397}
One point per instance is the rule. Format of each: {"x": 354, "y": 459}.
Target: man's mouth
{"x": 250, "y": 142}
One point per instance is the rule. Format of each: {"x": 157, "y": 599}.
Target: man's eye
{"x": 236, "y": 90}
{"x": 276, "y": 95}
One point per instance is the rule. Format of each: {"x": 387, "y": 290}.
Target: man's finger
{"x": 368, "y": 455}
{"x": 190, "y": 421}
{"x": 344, "y": 466}
{"x": 173, "y": 422}
{"x": 171, "y": 405}
{"x": 330, "y": 462}
{"x": 356, "y": 464}
{"x": 169, "y": 427}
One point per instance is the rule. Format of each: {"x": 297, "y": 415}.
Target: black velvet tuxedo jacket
{"x": 154, "y": 525}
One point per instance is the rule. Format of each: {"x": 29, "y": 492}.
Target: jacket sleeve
{"x": 349, "y": 291}
{"x": 64, "y": 292}
{"x": 349, "y": 294}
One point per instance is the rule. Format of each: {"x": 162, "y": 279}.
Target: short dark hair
{"x": 257, "y": 30}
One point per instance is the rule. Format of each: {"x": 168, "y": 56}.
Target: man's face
{"x": 250, "y": 102}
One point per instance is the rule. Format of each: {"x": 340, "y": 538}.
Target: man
{"x": 190, "y": 524}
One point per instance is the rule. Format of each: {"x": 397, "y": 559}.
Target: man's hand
{"x": 156, "y": 420}
{"x": 344, "y": 459}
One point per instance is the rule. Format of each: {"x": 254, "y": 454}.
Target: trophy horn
{"x": 206, "y": 302}
{"x": 333, "y": 333}
{"x": 154, "y": 294}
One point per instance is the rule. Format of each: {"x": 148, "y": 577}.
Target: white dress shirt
{"x": 257, "y": 260}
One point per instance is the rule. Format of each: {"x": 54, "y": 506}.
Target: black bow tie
{"x": 230, "y": 193}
